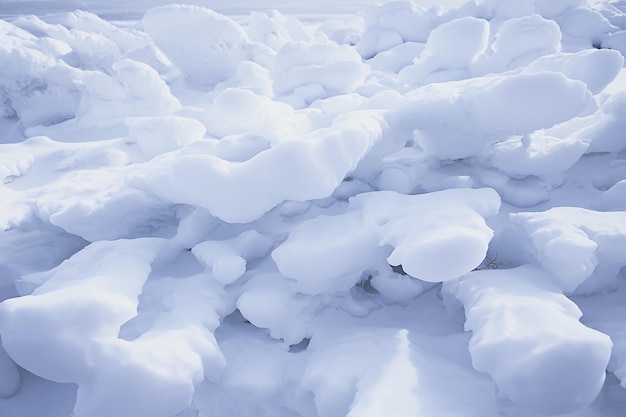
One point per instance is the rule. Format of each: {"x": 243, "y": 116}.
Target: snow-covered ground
{"x": 324, "y": 209}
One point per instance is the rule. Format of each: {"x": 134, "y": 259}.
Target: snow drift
{"x": 205, "y": 214}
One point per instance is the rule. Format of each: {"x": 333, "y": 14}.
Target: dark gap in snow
{"x": 299, "y": 347}
{"x": 398, "y": 269}
{"x": 367, "y": 286}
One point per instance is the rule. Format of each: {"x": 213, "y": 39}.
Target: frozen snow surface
{"x": 313, "y": 209}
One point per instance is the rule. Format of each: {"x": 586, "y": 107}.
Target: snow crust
{"x": 407, "y": 211}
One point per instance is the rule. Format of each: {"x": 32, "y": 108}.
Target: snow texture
{"x": 322, "y": 210}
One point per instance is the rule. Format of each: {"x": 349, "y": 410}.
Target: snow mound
{"x": 483, "y": 104}
{"x": 330, "y": 253}
{"x": 576, "y": 245}
{"x": 526, "y": 335}
{"x": 77, "y": 313}
{"x": 280, "y": 214}
{"x": 317, "y": 165}
{"x": 205, "y": 45}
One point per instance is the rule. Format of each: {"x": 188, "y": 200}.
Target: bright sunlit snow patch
{"x": 213, "y": 209}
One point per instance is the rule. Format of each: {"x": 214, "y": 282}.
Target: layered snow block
{"x": 311, "y": 71}
{"x": 205, "y": 45}
{"x": 241, "y": 192}
{"x": 329, "y": 253}
{"x": 458, "y": 119}
{"x": 77, "y": 314}
{"x": 574, "y": 244}
{"x": 392, "y": 23}
{"x": 526, "y": 335}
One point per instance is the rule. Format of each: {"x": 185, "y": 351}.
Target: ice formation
{"x": 407, "y": 211}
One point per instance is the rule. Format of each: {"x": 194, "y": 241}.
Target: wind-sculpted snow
{"x": 300, "y": 170}
{"x": 541, "y": 100}
{"x": 527, "y": 336}
{"x": 422, "y": 231}
{"x": 407, "y": 211}
{"x": 577, "y": 245}
{"x": 77, "y": 313}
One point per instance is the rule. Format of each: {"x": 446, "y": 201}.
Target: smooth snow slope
{"x": 405, "y": 211}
